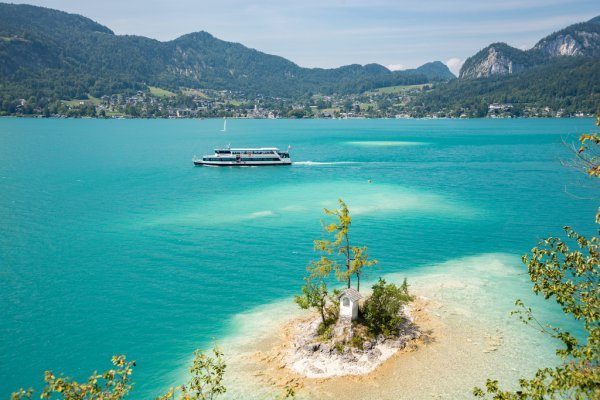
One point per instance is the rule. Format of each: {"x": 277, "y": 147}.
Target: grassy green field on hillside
{"x": 395, "y": 89}
{"x": 158, "y": 92}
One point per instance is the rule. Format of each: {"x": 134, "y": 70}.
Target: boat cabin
{"x": 261, "y": 150}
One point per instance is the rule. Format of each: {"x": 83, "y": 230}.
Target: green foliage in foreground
{"x": 589, "y": 152}
{"x": 568, "y": 272}
{"x": 207, "y": 377}
{"x": 115, "y": 384}
{"x": 571, "y": 278}
{"x": 381, "y": 312}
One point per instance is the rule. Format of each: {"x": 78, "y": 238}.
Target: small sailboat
{"x": 224, "y": 125}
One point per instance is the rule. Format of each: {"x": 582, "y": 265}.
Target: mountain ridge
{"x": 40, "y": 42}
{"x": 580, "y": 39}
{"x": 49, "y": 56}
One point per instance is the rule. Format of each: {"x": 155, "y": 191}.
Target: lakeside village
{"x": 389, "y": 102}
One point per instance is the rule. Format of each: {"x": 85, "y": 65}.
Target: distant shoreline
{"x": 287, "y": 118}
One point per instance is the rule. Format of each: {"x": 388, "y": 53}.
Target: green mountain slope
{"x": 436, "y": 71}
{"x": 52, "y": 54}
{"x": 569, "y": 83}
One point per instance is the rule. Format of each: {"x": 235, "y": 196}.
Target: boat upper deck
{"x": 259, "y": 150}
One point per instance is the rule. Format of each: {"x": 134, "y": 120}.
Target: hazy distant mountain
{"x": 436, "y": 71}
{"x": 581, "y": 39}
{"x": 63, "y": 55}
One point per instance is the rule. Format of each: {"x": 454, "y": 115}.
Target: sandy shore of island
{"x": 467, "y": 337}
{"x": 427, "y": 367}
{"x": 276, "y": 367}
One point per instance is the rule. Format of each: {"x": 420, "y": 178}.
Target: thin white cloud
{"x": 396, "y": 67}
{"x": 454, "y": 65}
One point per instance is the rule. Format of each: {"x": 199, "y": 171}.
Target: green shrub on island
{"x": 382, "y": 311}
{"x": 357, "y": 341}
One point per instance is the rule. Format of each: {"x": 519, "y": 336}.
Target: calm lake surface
{"x": 111, "y": 242}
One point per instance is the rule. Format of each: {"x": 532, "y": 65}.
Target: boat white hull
{"x": 239, "y": 163}
{"x": 245, "y": 157}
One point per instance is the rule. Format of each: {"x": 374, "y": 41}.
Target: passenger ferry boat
{"x": 245, "y": 157}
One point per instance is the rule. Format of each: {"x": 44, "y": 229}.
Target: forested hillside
{"x": 49, "y": 60}
{"x": 570, "y": 84}
{"x": 55, "y": 55}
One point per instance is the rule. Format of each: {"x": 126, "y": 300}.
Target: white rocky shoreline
{"x": 311, "y": 357}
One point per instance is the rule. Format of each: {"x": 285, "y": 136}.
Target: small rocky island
{"x": 352, "y": 333}
{"x": 348, "y": 347}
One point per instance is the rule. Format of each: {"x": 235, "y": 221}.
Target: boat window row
{"x": 284, "y": 155}
{"x": 217, "y": 159}
{"x": 242, "y": 159}
{"x": 252, "y": 151}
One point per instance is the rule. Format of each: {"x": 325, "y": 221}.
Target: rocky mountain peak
{"x": 581, "y": 39}
{"x": 576, "y": 40}
{"x": 578, "y": 43}
{"x": 496, "y": 59}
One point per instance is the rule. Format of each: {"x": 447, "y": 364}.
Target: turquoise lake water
{"x": 111, "y": 242}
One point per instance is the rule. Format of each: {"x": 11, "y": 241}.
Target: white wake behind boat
{"x": 245, "y": 157}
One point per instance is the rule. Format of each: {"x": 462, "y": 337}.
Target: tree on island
{"x": 354, "y": 258}
{"x": 360, "y": 259}
{"x": 569, "y": 275}
{"x": 314, "y": 292}
{"x": 314, "y": 295}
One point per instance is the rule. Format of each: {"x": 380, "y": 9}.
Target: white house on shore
{"x": 349, "y": 304}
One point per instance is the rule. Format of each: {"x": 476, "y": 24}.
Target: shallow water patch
{"x": 386, "y": 143}
{"x": 284, "y": 204}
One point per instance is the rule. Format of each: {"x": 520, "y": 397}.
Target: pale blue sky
{"x": 330, "y": 33}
